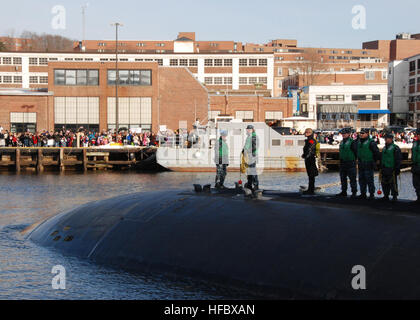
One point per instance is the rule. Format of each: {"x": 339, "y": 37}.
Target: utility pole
{"x": 117, "y": 80}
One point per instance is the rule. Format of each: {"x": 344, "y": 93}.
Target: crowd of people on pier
{"x": 80, "y": 138}
{"x": 331, "y": 138}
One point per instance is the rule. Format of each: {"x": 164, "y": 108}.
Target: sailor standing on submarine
{"x": 367, "y": 154}
{"x": 221, "y": 158}
{"x": 390, "y": 167}
{"x": 416, "y": 165}
{"x": 348, "y": 156}
{"x": 310, "y": 151}
{"x": 250, "y": 153}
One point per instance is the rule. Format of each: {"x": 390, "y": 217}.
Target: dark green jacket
{"x": 221, "y": 154}
{"x": 416, "y": 153}
{"x": 391, "y": 157}
{"x": 251, "y": 148}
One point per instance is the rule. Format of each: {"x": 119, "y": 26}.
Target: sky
{"x": 322, "y": 23}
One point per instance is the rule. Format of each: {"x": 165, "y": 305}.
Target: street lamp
{"x": 117, "y": 80}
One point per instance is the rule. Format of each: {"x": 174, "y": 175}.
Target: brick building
{"x": 403, "y": 46}
{"x": 404, "y": 91}
{"x": 16, "y": 44}
{"x": 23, "y": 109}
{"x": 83, "y": 94}
{"x": 194, "y": 79}
{"x": 414, "y": 90}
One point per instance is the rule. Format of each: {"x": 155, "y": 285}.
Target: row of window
{"x": 330, "y": 98}
{"x": 38, "y": 80}
{"x": 218, "y": 80}
{"x": 23, "y": 121}
{"x": 366, "y": 97}
{"x": 412, "y": 81}
{"x": 412, "y": 99}
{"x": 252, "y": 80}
{"x": 183, "y": 62}
{"x": 38, "y": 61}
{"x": 86, "y": 77}
{"x": 252, "y": 62}
{"x": 248, "y": 116}
{"x": 371, "y": 75}
{"x": 130, "y": 77}
{"x": 347, "y": 116}
{"x": 11, "y": 61}
{"x": 122, "y": 44}
{"x": 10, "y": 79}
{"x": 228, "y": 80}
{"x": 355, "y": 97}
{"x": 173, "y": 62}
{"x": 413, "y": 65}
{"x": 133, "y": 112}
{"x": 67, "y": 77}
{"x": 218, "y": 62}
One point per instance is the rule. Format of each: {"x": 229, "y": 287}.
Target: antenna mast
{"x": 84, "y": 7}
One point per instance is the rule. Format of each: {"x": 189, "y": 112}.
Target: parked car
{"x": 395, "y": 129}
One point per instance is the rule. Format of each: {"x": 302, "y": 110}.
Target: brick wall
{"x": 182, "y": 98}
{"x": 229, "y": 105}
{"x": 103, "y": 91}
{"x": 41, "y": 105}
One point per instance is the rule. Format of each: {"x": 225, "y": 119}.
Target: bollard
{"x": 17, "y": 160}
{"x": 39, "y": 165}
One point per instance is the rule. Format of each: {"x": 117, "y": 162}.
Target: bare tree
{"x": 8, "y": 40}
{"x": 2, "y": 47}
{"x": 312, "y": 65}
{"x": 45, "y": 42}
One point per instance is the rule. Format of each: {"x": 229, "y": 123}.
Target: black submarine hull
{"x": 286, "y": 246}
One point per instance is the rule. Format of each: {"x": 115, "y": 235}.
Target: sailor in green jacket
{"x": 367, "y": 154}
{"x": 348, "y": 156}
{"x": 416, "y": 165}
{"x": 250, "y": 152}
{"x": 221, "y": 158}
{"x": 390, "y": 167}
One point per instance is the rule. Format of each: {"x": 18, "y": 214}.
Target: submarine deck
{"x": 378, "y": 205}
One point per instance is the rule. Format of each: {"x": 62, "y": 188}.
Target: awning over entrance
{"x": 374, "y": 112}
{"x": 338, "y": 108}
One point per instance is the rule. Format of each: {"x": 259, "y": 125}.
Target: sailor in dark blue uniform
{"x": 310, "y": 154}
{"x": 390, "y": 167}
{"x": 367, "y": 154}
{"x": 348, "y": 156}
{"x": 416, "y": 165}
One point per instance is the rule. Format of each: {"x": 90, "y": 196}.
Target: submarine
{"x": 281, "y": 245}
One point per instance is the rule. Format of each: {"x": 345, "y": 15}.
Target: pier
{"x": 75, "y": 159}
{"x": 126, "y": 158}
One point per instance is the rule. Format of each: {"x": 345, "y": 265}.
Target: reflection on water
{"x": 25, "y": 269}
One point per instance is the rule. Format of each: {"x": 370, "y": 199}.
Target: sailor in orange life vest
{"x": 309, "y": 154}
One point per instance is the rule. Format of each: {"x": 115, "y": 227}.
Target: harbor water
{"x": 27, "y": 199}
